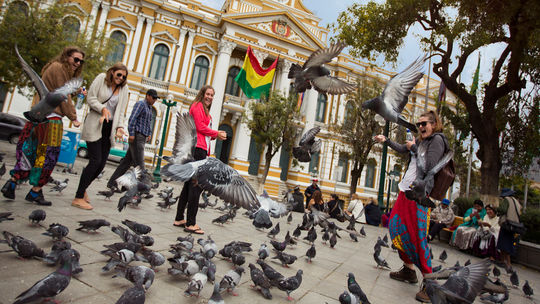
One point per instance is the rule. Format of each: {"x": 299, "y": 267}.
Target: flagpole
{"x": 427, "y": 84}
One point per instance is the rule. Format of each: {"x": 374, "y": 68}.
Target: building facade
{"x": 176, "y": 47}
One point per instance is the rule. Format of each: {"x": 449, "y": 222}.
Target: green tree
{"x": 271, "y": 122}
{"x": 40, "y": 33}
{"x": 455, "y": 29}
{"x": 359, "y": 127}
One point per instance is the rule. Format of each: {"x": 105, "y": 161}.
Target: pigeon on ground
{"x": 60, "y": 186}
{"x": 133, "y": 181}
{"x": 311, "y": 235}
{"x": 216, "y": 297}
{"x": 314, "y": 74}
{"x": 138, "y": 275}
{"x": 106, "y": 193}
{"x": 272, "y": 233}
{"x": 289, "y": 218}
{"x": 355, "y": 289}
{"x": 285, "y": 258}
{"x": 222, "y": 219}
{"x": 461, "y": 287}
{"x": 497, "y": 298}
{"x": 296, "y": 233}
{"x": 291, "y": 284}
{"x": 179, "y": 266}
{"x": 275, "y": 209}
{"x": 25, "y": 248}
{"x": 289, "y": 239}
{"x": 52, "y": 257}
{"x": 443, "y": 256}
{"x": 168, "y": 202}
{"x": 381, "y": 262}
{"x": 238, "y": 259}
{"x": 151, "y": 257}
{"x": 261, "y": 219}
{"x": 279, "y": 246}
{"x": 311, "y": 252}
{"x": 2, "y": 169}
{"x": 333, "y": 240}
{"x": 348, "y": 297}
{"x": 385, "y": 238}
{"x": 362, "y": 232}
{"x": 127, "y": 236}
{"x": 137, "y": 227}
{"x": 273, "y": 275}
{"x": 230, "y": 280}
{"x": 48, "y": 100}
{"x": 352, "y": 223}
{"x": 5, "y": 216}
{"x": 209, "y": 247}
{"x": 57, "y": 231}
{"x": 436, "y": 268}
{"x": 258, "y": 278}
{"x": 395, "y": 95}
{"x": 514, "y": 279}
{"x": 467, "y": 263}
{"x": 37, "y": 216}
{"x": 264, "y": 252}
{"x": 307, "y": 145}
{"x": 382, "y": 243}
{"x": 74, "y": 256}
{"x": 197, "y": 283}
{"x": 496, "y": 271}
{"x": 92, "y": 225}
{"x": 133, "y": 295}
{"x": 353, "y": 237}
{"x": 124, "y": 256}
{"x": 527, "y": 289}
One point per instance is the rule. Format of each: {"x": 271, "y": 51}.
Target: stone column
{"x": 284, "y": 81}
{"x": 92, "y": 19}
{"x": 144, "y": 47}
{"x": 179, "y": 47}
{"x": 187, "y": 57}
{"x": 225, "y": 49}
{"x": 309, "y": 107}
{"x": 105, "y": 8}
{"x": 135, "y": 43}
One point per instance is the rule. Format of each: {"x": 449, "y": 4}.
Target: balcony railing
{"x": 235, "y": 100}
{"x": 154, "y": 83}
{"x": 190, "y": 92}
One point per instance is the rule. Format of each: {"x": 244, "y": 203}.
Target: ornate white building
{"x": 176, "y": 47}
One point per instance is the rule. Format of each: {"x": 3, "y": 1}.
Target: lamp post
{"x": 393, "y": 176}
{"x": 168, "y": 104}
{"x": 380, "y": 196}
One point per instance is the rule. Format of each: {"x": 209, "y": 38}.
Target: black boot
{"x": 9, "y": 189}
{"x": 37, "y": 197}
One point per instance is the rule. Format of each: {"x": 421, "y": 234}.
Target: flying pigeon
{"x": 395, "y": 95}
{"x": 274, "y": 209}
{"x": 133, "y": 295}
{"x": 231, "y": 279}
{"x": 527, "y": 289}
{"x": 23, "y": 247}
{"x": 37, "y": 216}
{"x": 132, "y": 181}
{"x": 137, "y": 227}
{"x": 291, "y": 284}
{"x": 57, "y": 231}
{"x": 48, "y": 100}
{"x": 138, "y": 275}
{"x": 307, "y": 145}
{"x": 355, "y": 289}
{"x": 92, "y": 225}
{"x": 216, "y": 297}
{"x": 5, "y": 216}
{"x": 258, "y": 278}
{"x": 314, "y": 74}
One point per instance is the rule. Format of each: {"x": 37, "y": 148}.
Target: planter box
{"x": 528, "y": 254}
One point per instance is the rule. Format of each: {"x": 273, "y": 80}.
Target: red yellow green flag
{"x": 254, "y": 80}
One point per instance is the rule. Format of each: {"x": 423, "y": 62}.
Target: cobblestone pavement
{"x": 323, "y": 280}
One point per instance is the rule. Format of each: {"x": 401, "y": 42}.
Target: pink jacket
{"x": 203, "y": 124}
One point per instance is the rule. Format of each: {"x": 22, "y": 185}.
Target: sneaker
{"x": 81, "y": 203}
{"x": 9, "y": 189}
{"x": 37, "y": 197}
{"x": 405, "y": 275}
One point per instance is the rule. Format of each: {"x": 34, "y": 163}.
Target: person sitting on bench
{"x": 441, "y": 217}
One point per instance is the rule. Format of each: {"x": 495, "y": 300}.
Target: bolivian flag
{"x": 254, "y": 80}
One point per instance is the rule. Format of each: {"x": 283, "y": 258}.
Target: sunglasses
{"x": 422, "y": 123}
{"x": 121, "y": 75}
{"x": 78, "y": 60}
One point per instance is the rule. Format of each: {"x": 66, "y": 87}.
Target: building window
{"x": 119, "y": 46}
{"x": 71, "y": 27}
{"x": 314, "y": 163}
{"x": 200, "y": 72}
{"x": 343, "y": 165}
{"x": 321, "y": 108}
{"x": 348, "y": 112}
{"x": 232, "y": 87}
{"x": 159, "y": 62}
{"x": 394, "y": 188}
{"x": 370, "y": 173}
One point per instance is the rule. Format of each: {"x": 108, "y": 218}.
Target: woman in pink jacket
{"x": 200, "y": 110}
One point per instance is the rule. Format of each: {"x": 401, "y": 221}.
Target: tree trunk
{"x": 489, "y": 154}
{"x": 356, "y": 172}
{"x": 267, "y": 160}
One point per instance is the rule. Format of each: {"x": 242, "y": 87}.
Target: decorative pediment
{"x": 77, "y": 8}
{"x": 121, "y": 22}
{"x": 205, "y": 48}
{"x": 165, "y": 36}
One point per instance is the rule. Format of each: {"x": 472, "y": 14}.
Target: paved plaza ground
{"x": 323, "y": 280}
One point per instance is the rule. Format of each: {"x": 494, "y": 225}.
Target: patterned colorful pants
{"x": 408, "y": 227}
{"x": 37, "y": 151}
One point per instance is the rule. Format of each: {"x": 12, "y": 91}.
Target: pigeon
{"x": 272, "y": 233}
{"x": 133, "y": 295}
{"x": 258, "y": 278}
{"x": 436, "y": 268}
{"x": 221, "y": 219}
{"x": 127, "y": 236}
{"x": 209, "y": 247}
{"x": 264, "y": 252}
{"x": 262, "y": 220}
{"x": 289, "y": 218}
{"x": 179, "y": 266}
{"x": 355, "y": 289}
{"x": 274, "y": 209}
{"x": 168, "y": 202}
{"x": 457, "y": 265}
{"x": 52, "y": 257}
{"x": 92, "y": 225}
{"x": 291, "y": 284}
{"x": 37, "y": 216}
{"x": 3, "y": 169}
{"x": 314, "y": 74}
{"x": 497, "y": 298}
{"x": 138, "y": 275}
{"x": 131, "y": 180}
{"x": 60, "y": 186}
{"x": 216, "y": 297}
{"x": 106, "y": 193}
{"x": 57, "y": 231}
{"x": 307, "y": 145}
{"x": 151, "y": 257}
{"x": 136, "y": 227}
{"x": 230, "y": 280}
{"x": 514, "y": 279}
{"x": 385, "y": 239}
{"x": 273, "y": 275}
{"x": 5, "y": 216}
{"x": 333, "y": 240}
{"x": 296, "y": 233}
{"x": 289, "y": 239}
{"x": 527, "y": 289}
{"x": 431, "y": 256}
{"x": 461, "y": 287}
{"x": 25, "y": 248}
{"x": 467, "y": 263}
{"x": 443, "y": 256}
{"x": 48, "y": 100}
{"x": 238, "y": 259}
{"x": 391, "y": 103}
{"x": 279, "y": 246}
{"x": 381, "y": 262}
{"x": 285, "y": 258}
{"x": 311, "y": 252}
{"x": 348, "y": 297}
{"x": 496, "y": 271}
{"x": 381, "y": 242}
{"x": 362, "y": 231}
{"x": 124, "y": 256}
{"x": 211, "y": 270}
{"x": 197, "y": 283}
{"x": 311, "y": 235}
{"x": 352, "y": 223}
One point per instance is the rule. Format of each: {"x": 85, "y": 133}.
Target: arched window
{"x": 200, "y": 72}
{"x": 348, "y": 112}
{"x": 159, "y": 62}
{"x": 321, "y": 108}
{"x": 343, "y": 164}
{"x": 232, "y": 87}
{"x": 370, "y": 173}
{"x": 119, "y": 46}
{"x": 314, "y": 163}
{"x": 71, "y": 27}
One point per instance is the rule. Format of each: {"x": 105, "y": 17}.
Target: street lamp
{"x": 393, "y": 176}
{"x": 168, "y": 104}
{"x": 380, "y": 196}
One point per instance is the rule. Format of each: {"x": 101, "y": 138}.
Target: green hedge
{"x": 531, "y": 219}
{"x": 463, "y": 204}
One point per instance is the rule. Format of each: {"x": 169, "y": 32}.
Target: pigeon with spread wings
{"x": 210, "y": 173}
{"x": 131, "y": 180}
{"x": 314, "y": 74}
{"x": 396, "y": 94}
{"x": 48, "y": 100}
{"x": 307, "y": 145}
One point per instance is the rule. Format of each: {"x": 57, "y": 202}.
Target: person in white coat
{"x": 356, "y": 208}
{"x": 108, "y": 100}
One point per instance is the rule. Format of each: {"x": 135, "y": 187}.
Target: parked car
{"x": 11, "y": 127}
{"x": 114, "y": 155}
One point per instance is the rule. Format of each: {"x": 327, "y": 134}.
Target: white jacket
{"x": 357, "y": 209}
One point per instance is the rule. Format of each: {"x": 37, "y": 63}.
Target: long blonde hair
{"x": 200, "y": 96}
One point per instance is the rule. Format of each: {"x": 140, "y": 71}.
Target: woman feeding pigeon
{"x": 200, "y": 111}
{"x": 408, "y": 220}
{"x": 39, "y": 143}
{"x": 107, "y": 98}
